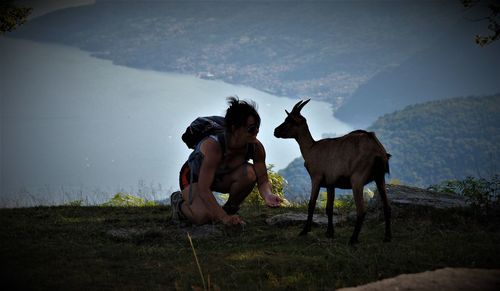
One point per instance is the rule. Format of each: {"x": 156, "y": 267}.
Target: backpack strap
{"x": 221, "y": 138}
{"x": 250, "y": 155}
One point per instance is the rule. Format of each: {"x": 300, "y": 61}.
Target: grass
{"x": 70, "y": 247}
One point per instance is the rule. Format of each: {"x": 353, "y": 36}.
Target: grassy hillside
{"x": 68, "y": 248}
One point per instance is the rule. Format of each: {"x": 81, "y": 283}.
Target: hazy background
{"x": 74, "y": 126}
{"x": 95, "y": 95}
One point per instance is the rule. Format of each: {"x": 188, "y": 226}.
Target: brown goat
{"x": 347, "y": 162}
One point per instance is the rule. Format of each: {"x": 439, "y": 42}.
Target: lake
{"x": 77, "y": 127}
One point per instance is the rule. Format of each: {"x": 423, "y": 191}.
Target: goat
{"x": 347, "y": 162}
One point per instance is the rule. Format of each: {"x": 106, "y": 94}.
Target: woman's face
{"x": 249, "y": 131}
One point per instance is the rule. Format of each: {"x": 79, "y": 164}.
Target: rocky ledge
{"x": 443, "y": 279}
{"x": 407, "y": 196}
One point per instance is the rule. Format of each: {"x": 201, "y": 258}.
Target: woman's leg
{"x": 238, "y": 183}
{"x": 196, "y": 212}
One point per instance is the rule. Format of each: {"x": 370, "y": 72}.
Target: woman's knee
{"x": 195, "y": 210}
{"x": 197, "y": 214}
{"x": 249, "y": 173}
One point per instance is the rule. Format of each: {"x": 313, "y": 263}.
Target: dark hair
{"x": 239, "y": 111}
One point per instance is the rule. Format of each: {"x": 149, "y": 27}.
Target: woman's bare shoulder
{"x": 210, "y": 146}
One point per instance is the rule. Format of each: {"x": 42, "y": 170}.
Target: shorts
{"x": 185, "y": 176}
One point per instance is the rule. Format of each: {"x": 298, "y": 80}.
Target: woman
{"x": 223, "y": 167}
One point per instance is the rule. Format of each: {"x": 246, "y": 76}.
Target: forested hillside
{"x": 431, "y": 142}
{"x": 320, "y": 49}
{"x": 440, "y": 140}
{"x": 452, "y": 66}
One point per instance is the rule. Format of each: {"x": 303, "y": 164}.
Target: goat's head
{"x": 294, "y": 120}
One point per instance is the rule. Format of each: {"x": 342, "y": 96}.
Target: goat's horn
{"x": 296, "y": 107}
{"x": 302, "y": 105}
{"x": 287, "y": 113}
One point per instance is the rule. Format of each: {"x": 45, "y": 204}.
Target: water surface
{"x": 72, "y": 122}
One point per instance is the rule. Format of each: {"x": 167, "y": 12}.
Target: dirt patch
{"x": 442, "y": 279}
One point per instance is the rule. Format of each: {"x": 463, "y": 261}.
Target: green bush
{"x": 75, "y": 203}
{"x": 343, "y": 203}
{"x": 481, "y": 194}
{"x": 277, "y": 184}
{"x": 125, "y": 200}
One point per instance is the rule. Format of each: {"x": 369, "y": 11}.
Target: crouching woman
{"x": 222, "y": 166}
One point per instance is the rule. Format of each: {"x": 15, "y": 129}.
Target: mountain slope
{"x": 440, "y": 140}
{"x": 453, "y": 66}
{"x": 321, "y": 49}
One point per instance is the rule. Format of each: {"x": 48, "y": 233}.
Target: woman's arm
{"x": 211, "y": 161}
{"x": 263, "y": 182}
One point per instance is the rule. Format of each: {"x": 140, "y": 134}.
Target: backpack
{"x": 205, "y": 126}
{"x": 202, "y": 127}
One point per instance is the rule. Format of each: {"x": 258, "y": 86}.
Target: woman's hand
{"x": 230, "y": 220}
{"x": 272, "y": 200}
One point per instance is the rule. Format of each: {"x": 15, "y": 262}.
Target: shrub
{"x": 344, "y": 204}
{"x": 124, "y": 200}
{"x": 277, "y": 184}
{"x": 75, "y": 203}
{"x": 481, "y": 194}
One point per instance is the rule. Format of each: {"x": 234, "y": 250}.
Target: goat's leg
{"x": 387, "y": 208}
{"x": 330, "y": 199}
{"x": 311, "y": 206}
{"x": 357, "y": 191}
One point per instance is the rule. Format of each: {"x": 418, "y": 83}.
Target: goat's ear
{"x": 287, "y": 113}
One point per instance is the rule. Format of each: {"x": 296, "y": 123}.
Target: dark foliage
{"x": 12, "y": 15}
{"x": 443, "y": 140}
{"x": 482, "y": 194}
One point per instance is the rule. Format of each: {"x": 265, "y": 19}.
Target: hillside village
{"x": 316, "y": 49}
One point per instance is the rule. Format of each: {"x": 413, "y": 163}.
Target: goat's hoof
{"x": 329, "y": 234}
{"x": 353, "y": 242}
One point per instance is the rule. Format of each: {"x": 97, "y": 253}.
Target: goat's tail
{"x": 387, "y": 169}
{"x": 382, "y": 165}
{"x": 381, "y": 162}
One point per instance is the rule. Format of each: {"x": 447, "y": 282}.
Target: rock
{"x": 300, "y": 218}
{"x": 127, "y": 233}
{"x": 405, "y": 196}
{"x": 443, "y": 279}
